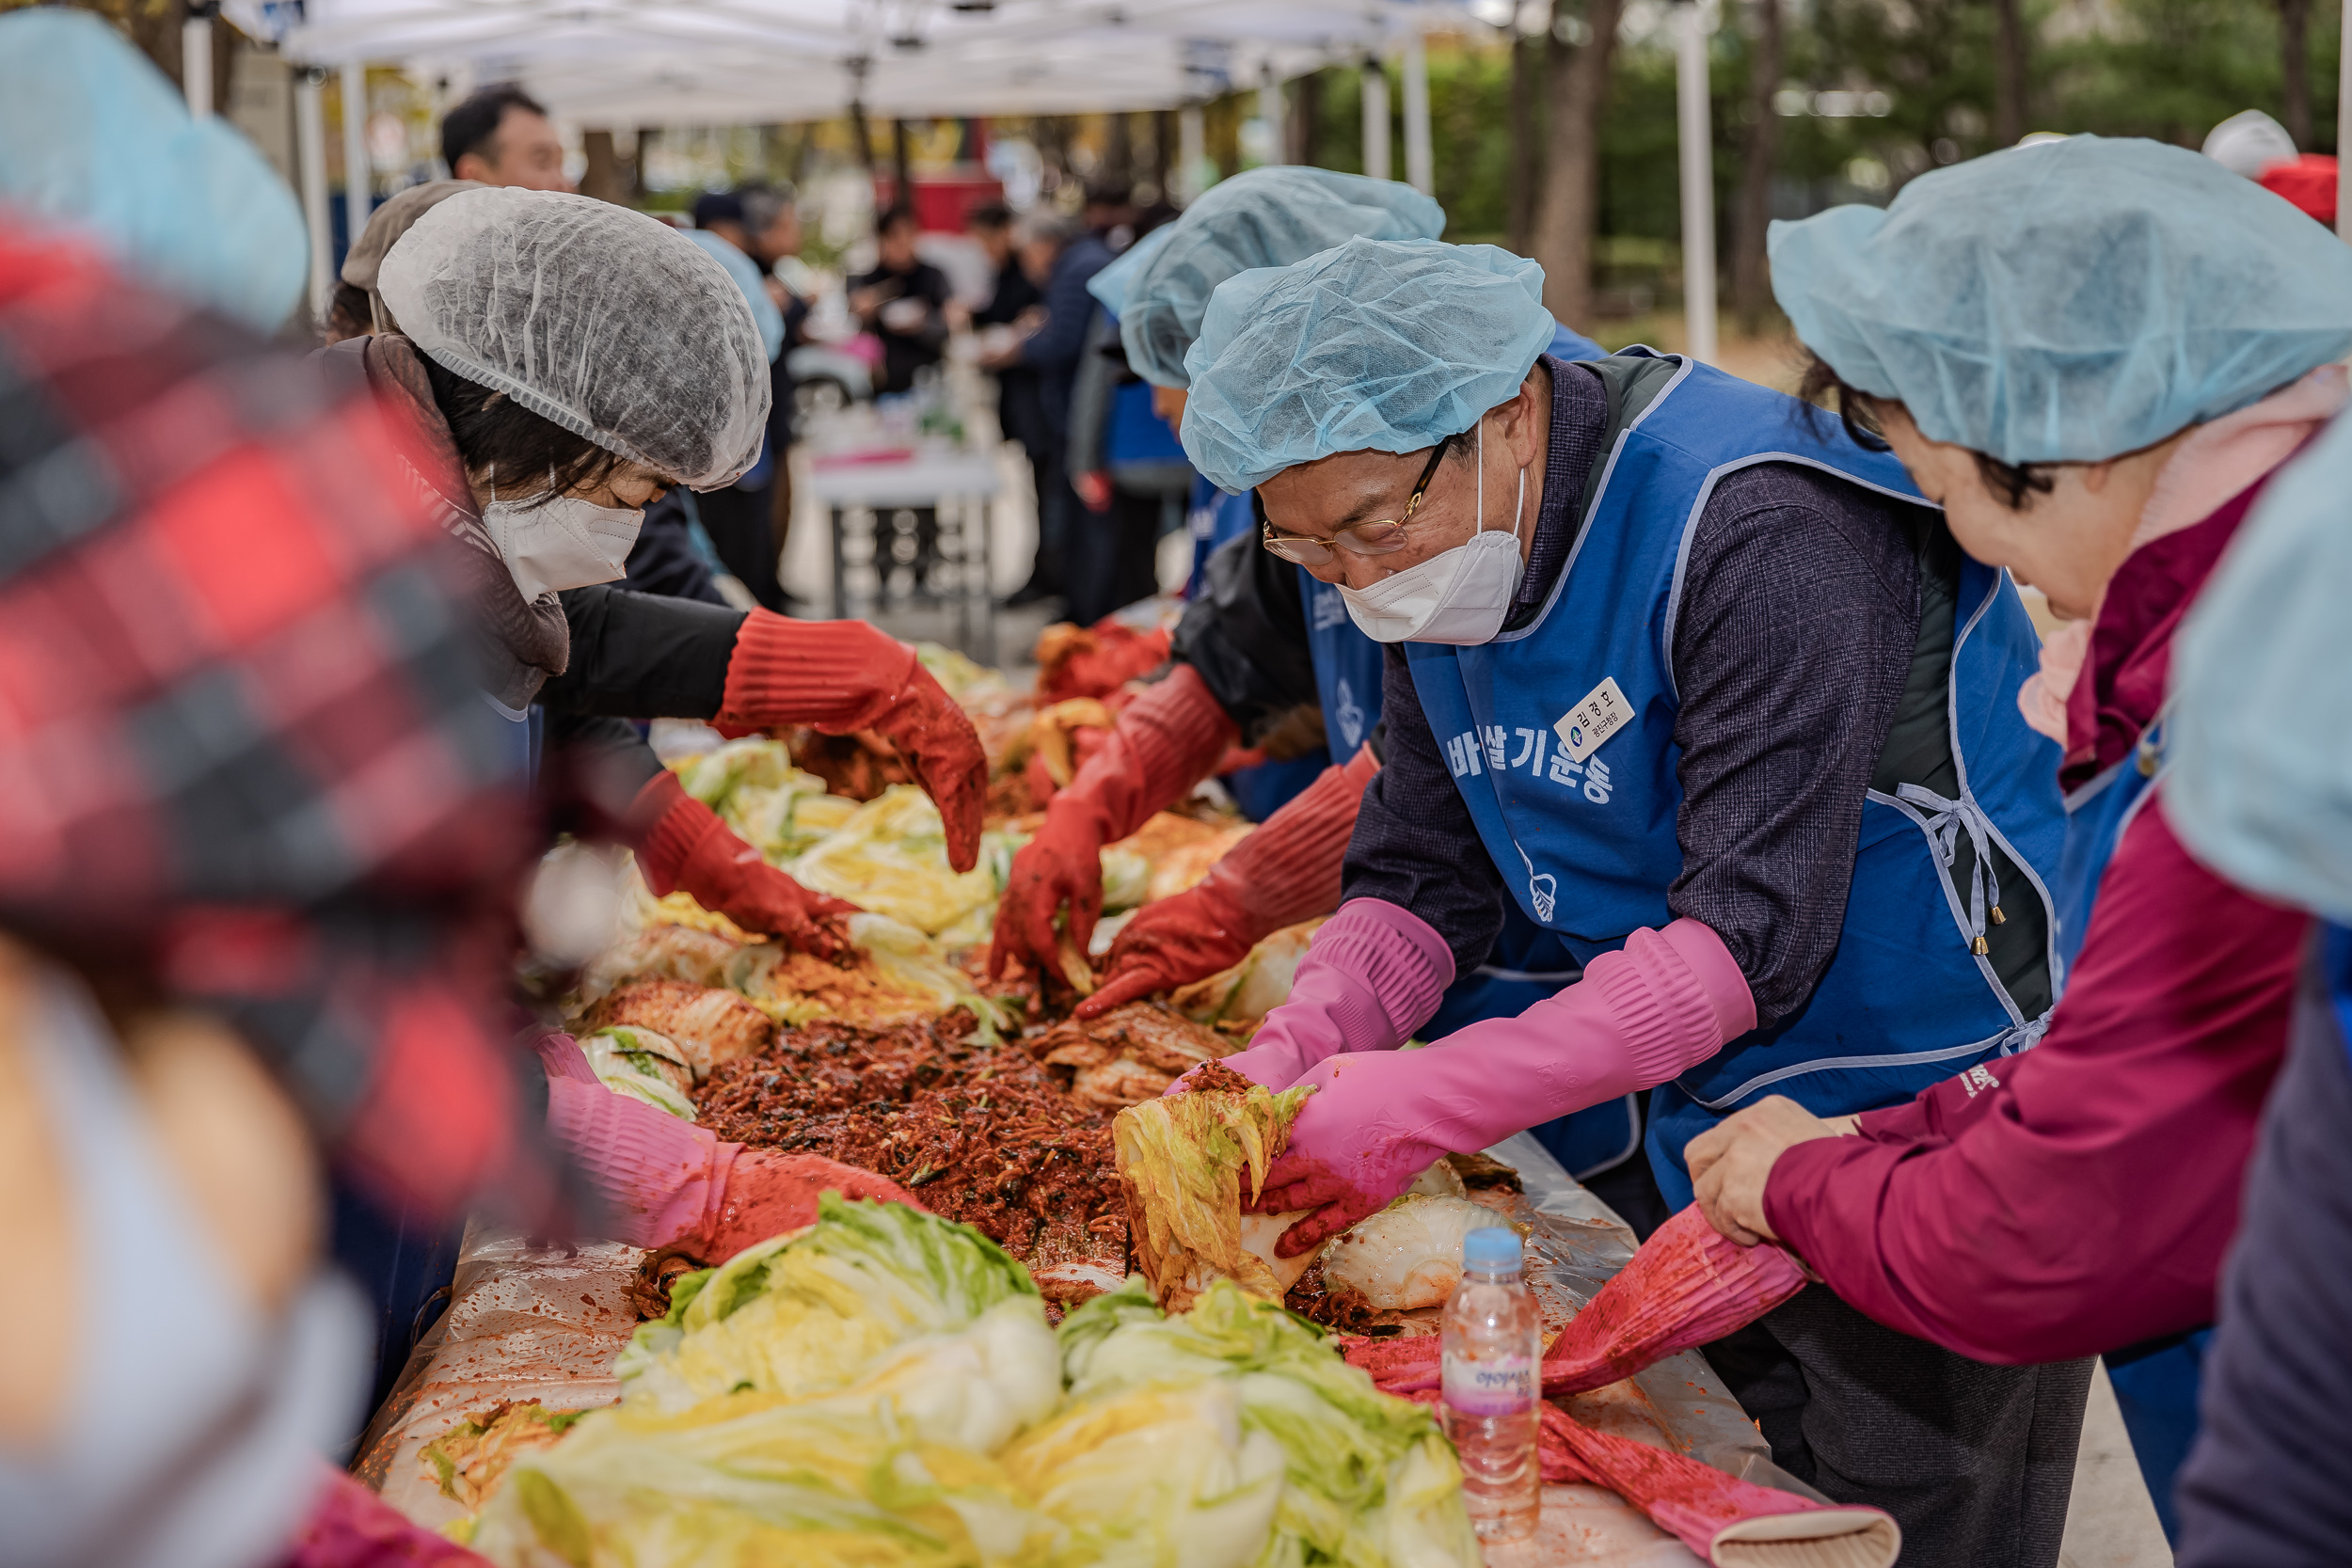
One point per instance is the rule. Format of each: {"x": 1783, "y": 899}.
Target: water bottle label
{"x": 1490, "y": 1386}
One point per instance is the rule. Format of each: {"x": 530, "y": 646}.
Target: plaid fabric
{"x": 242, "y": 752}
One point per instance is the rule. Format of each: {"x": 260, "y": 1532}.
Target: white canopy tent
{"x": 735, "y": 62}
{"x": 681, "y": 62}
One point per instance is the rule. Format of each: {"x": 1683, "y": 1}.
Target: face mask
{"x": 1459, "y": 596}
{"x": 565, "y": 543}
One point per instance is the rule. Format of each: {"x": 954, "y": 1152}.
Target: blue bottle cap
{"x": 1491, "y": 1249}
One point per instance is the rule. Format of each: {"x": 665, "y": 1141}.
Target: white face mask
{"x": 1459, "y": 596}
{"x": 565, "y": 542}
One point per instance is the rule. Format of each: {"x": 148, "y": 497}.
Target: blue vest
{"x": 1572, "y": 780}
{"x": 1528, "y": 963}
{"x": 2096, "y": 815}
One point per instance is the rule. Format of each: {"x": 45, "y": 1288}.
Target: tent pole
{"x": 358, "y": 187}
{"x": 196, "y": 60}
{"x": 1192, "y": 149}
{"x": 1375, "y": 78}
{"x": 1419, "y": 165}
{"x": 1699, "y": 182}
{"x": 310, "y": 155}
{"x": 2344, "y": 154}
{"x": 1270, "y": 113}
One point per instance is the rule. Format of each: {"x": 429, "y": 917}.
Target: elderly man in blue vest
{"x": 1702, "y": 687}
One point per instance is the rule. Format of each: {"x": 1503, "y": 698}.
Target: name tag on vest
{"x": 1602, "y": 714}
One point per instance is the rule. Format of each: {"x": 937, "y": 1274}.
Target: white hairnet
{"x": 2259, "y": 785}
{"x": 2067, "y": 301}
{"x": 93, "y": 137}
{"x": 754, "y": 283}
{"x": 605, "y": 320}
{"x": 1379, "y": 345}
{"x": 2249, "y": 142}
{"x": 1267, "y": 217}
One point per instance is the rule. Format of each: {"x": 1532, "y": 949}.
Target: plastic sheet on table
{"x": 524, "y": 1324}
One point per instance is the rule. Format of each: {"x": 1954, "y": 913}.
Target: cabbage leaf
{"x": 1180, "y": 1159}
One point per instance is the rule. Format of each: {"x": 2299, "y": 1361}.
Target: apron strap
{"x": 1946, "y": 820}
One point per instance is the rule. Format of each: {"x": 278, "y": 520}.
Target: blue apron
{"x": 1215, "y": 519}
{"x": 2156, "y": 1390}
{"x": 1528, "y": 963}
{"x": 1571, "y": 779}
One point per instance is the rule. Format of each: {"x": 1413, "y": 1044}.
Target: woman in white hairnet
{"x": 566, "y": 361}
{"x": 1708, "y": 690}
{"x": 2093, "y": 354}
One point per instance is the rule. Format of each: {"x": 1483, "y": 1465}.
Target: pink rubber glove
{"x": 1668, "y": 1000}
{"x": 669, "y": 1183}
{"x": 1717, "y": 1515}
{"x": 1373, "y": 972}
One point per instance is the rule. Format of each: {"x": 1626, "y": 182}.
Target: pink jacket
{"x": 2079, "y": 1198}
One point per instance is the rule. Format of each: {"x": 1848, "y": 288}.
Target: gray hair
{"x": 1049, "y": 228}
{"x": 763, "y": 204}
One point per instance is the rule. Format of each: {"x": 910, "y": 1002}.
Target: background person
{"x": 2075, "y": 1199}
{"x": 501, "y": 135}
{"x": 1742, "y": 673}
{"x": 1060, "y": 258}
{"x": 904, "y": 301}
{"x": 740, "y": 519}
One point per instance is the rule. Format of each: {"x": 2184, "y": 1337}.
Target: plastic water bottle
{"x": 1492, "y": 1347}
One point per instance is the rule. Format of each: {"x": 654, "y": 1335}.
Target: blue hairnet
{"x": 1109, "y": 287}
{"x": 1381, "y": 345}
{"x": 747, "y": 278}
{"x": 2070, "y": 301}
{"x": 2261, "y": 779}
{"x": 1268, "y": 217}
{"x": 94, "y": 138}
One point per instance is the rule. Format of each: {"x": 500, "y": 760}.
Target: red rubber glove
{"x": 844, "y": 676}
{"x": 1286, "y": 872}
{"x": 685, "y": 846}
{"x": 1166, "y": 741}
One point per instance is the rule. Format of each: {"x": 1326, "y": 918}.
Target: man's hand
{"x": 1731, "y": 1163}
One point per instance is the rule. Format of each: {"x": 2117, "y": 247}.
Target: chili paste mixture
{"x": 981, "y": 1134}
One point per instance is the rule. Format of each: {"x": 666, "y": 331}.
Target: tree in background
{"x": 1576, "y": 58}
{"x": 1751, "y": 274}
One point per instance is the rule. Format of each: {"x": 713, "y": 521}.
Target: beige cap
{"x": 385, "y": 228}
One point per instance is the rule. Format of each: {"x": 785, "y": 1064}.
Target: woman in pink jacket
{"x": 2093, "y": 354}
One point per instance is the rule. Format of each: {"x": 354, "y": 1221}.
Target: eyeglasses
{"x": 1376, "y": 538}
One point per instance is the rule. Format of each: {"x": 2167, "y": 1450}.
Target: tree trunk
{"x": 1526, "y": 132}
{"x": 1751, "y": 271}
{"x": 639, "y": 166}
{"x": 1119, "y": 152}
{"x": 901, "y": 166}
{"x": 2294, "y": 32}
{"x": 2008, "y": 71}
{"x": 1306, "y": 120}
{"x": 1578, "y": 88}
{"x": 602, "y": 179}
{"x": 861, "y": 137}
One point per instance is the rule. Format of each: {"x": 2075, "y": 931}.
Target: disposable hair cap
{"x": 1267, "y": 217}
{"x": 611, "y": 323}
{"x": 2067, "y": 301}
{"x": 1379, "y": 345}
